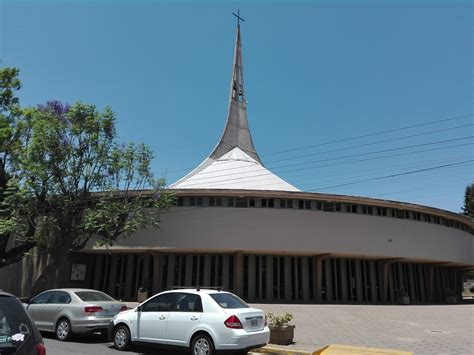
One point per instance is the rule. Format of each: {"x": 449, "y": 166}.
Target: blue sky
{"x": 315, "y": 72}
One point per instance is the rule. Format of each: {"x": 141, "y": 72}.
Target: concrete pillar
{"x": 146, "y": 271}
{"x": 189, "y": 271}
{"x": 373, "y": 282}
{"x": 305, "y": 278}
{"x": 98, "y": 271}
{"x": 225, "y": 272}
{"x": 269, "y": 279}
{"x": 207, "y": 270}
{"x": 112, "y": 276}
{"x": 129, "y": 293}
{"x": 170, "y": 281}
{"x": 344, "y": 280}
{"x": 359, "y": 282}
{"x": 287, "y": 271}
{"x": 251, "y": 278}
{"x": 318, "y": 275}
{"x": 238, "y": 273}
{"x": 157, "y": 270}
{"x": 329, "y": 296}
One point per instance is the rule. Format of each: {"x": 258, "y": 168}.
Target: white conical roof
{"x": 234, "y": 170}
{"x": 234, "y": 162}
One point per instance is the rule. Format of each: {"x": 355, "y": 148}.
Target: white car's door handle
{"x": 194, "y": 318}
{"x": 162, "y": 317}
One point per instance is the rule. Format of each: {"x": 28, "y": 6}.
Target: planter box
{"x": 142, "y": 296}
{"x": 404, "y": 300}
{"x": 282, "y": 335}
{"x": 451, "y": 300}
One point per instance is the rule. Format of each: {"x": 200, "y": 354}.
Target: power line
{"x": 330, "y": 151}
{"x": 372, "y": 143}
{"x": 236, "y": 180}
{"x": 351, "y": 138}
{"x": 394, "y": 175}
{"x": 369, "y": 135}
{"x": 326, "y": 160}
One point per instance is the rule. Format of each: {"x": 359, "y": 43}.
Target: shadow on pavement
{"x": 102, "y": 339}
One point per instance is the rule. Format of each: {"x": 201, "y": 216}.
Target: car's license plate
{"x": 254, "y": 323}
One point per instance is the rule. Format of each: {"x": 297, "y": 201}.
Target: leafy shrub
{"x": 279, "y": 320}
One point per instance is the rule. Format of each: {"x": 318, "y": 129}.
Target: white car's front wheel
{"x": 121, "y": 337}
{"x": 202, "y": 345}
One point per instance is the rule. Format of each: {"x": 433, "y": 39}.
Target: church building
{"x": 240, "y": 226}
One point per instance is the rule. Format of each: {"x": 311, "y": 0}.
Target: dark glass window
{"x": 301, "y": 204}
{"x": 240, "y": 202}
{"x": 264, "y": 202}
{"x": 289, "y": 203}
{"x": 328, "y": 206}
{"x": 319, "y": 205}
{"x": 161, "y": 303}
{"x": 282, "y": 203}
{"x": 252, "y": 202}
{"x": 337, "y": 207}
{"x": 307, "y": 204}
{"x": 219, "y": 201}
{"x": 192, "y": 201}
{"x": 187, "y": 302}
{"x": 400, "y": 214}
{"x": 180, "y": 201}
{"x": 230, "y": 202}
{"x": 271, "y": 202}
{"x": 199, "y": 201}
{"x": 407, "y": 214}
{"x": 42, "y": 298}
{"x": 91, "y": 296}
{"x": 228, "y": 300}
{"x": 212, "y": 201}
{"x": 354, "y": 208}
{"x": 60, "y": 297}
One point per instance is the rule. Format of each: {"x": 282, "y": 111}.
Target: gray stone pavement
{"x": 433, "y": 330}
{"x": 438, "y": 329}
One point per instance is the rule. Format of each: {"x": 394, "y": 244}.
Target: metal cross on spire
{"x": 238, "y": 17}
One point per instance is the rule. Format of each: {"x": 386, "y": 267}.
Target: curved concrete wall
{"x": 267, "y": 230}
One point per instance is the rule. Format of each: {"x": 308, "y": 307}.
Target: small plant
{"x": 143, "y": 289}
{"x": 400, "y": 292}
{"x": 449, "y": 292}
{"x": 279, "y": 321}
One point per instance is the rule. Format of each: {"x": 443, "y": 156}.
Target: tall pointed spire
{"x": 236, "y": 132}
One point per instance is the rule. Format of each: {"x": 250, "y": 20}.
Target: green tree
{"x": 468, "y": 207}
{"x": 73, "y": 184}
{"x": 10, "y": 114}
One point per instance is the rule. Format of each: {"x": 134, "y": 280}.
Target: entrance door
{"x": 153, "y": 318}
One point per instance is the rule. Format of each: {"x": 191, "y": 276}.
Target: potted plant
{"x": 402, "y": 296}
{"x": 450, "y": 296}
{"x": 142, "y": 294}
{"x": 281, "y": 332}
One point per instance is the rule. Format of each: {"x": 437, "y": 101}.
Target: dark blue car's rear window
{"x": 15, "y": 327}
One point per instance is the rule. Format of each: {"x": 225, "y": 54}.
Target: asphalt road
{"x": 96, "y": 345}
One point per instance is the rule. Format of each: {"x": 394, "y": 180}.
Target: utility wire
{"x": 325, "y": 152}
{"x": 394, "y": 175}
{"x": 350, "y": 138}
{"x": 326, "y": 160}
{"x": 326, "y": 165}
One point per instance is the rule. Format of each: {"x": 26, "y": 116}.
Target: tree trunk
{"x": 48, "y": 278}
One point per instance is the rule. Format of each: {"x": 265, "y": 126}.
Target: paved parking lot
{"x": 447, "y": 329}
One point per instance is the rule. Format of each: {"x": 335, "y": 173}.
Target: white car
{"x": 202, "y": 320}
